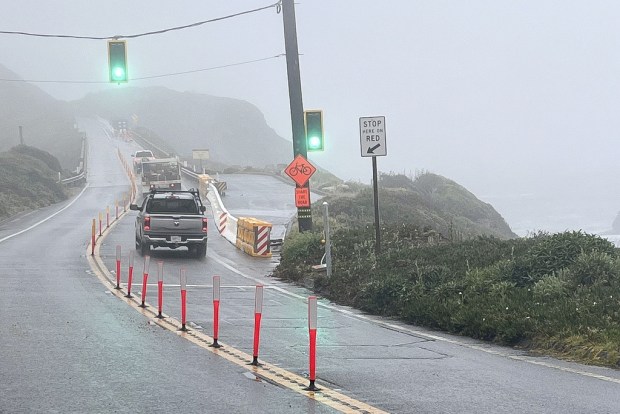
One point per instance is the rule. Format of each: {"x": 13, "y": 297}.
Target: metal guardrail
{"x": 73, "y": 180}
{"x": 82, "y": 167}
{"x": 188, "y": 171}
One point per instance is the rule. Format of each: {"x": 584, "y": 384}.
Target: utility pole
{"x": 304, "y": 214}
{"x": 21, "y": 135}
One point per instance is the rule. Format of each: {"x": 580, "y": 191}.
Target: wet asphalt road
{"x": 69, "y": 346}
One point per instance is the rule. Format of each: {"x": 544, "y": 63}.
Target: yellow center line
{"x": 265, "y": 370}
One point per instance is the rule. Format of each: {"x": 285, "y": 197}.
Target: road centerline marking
{"x": 271, "y": 372}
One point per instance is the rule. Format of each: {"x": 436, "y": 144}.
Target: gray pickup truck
{"x": 171, "y": 219}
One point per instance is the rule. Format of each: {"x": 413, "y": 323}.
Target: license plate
{"x": 175, "y": 239}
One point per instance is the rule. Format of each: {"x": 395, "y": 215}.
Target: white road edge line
{"x": 403, "y": 329}
{"x": 47, "y": 218}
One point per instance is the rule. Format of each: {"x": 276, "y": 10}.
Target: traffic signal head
{"x": 313, "y": 121}
{"x": 117, "y": 59}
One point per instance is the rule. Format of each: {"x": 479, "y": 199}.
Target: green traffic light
{"x": 314, "y": 130}
{"x": 314, "y": 142}
{"x": 118, "y": 74}
{"x": 117, "y": 60}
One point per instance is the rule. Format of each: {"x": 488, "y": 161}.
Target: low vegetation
{"x": 28, "y": 180}
{"x": 553, "y": 293}
{"x": 33, "y": 117}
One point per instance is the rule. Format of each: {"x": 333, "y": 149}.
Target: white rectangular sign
{"x": 200, "y": 154}
{"x": 372, "y": 136}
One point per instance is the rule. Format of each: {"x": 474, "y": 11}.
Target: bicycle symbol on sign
{"x": 300, "y": 168}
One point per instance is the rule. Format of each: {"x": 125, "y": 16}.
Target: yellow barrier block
{"x": 251, "y": 237}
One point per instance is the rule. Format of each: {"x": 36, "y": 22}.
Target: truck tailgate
{"x": 176, "y": 224}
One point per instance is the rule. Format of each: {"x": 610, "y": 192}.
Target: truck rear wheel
{"x": 201, "y": 251}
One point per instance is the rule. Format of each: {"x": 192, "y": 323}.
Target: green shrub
{"x": 547, "y": 290}
{"x": 551, "y": 253}
{"x": 299, "y": 253}
{"x": 26, "y": 180}
{"x": 593, "y": 267}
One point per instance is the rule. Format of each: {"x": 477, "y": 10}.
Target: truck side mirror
{"x": 134, "y": 207}
{"x": 203, "y": 209}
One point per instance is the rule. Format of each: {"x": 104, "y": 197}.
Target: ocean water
{"x": 528, "y": 213}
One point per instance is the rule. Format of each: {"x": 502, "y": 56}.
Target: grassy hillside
{"x": 46, "y": 122}
{"x": 429, "y": 201}
{"x": 556, "y": 294}
{"x": 234, "y": 131}
{"x": 28, "y": 180}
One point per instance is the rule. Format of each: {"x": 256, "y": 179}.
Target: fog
{"x": 518, "y": 101}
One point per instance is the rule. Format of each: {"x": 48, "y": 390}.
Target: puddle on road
{"x": 252, "y": 377}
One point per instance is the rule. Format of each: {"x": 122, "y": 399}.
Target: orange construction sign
{"x": 300, "y": 170}
{"x": 302, "y": 197}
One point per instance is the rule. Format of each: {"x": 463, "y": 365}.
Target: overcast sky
{"x": 505, "y": 97}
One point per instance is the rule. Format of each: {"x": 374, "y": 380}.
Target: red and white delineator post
{"x": 258, "y": 311}
{"x": 130, "y": 275}
{"x": 118, "y": 266}
{"x": 312, "y": 322}
{"x": 145, "y": 277}
{"x": 216, "y": 311}
{"x": 183, "y": 277}
{"x": 94, "y": 238}
{"x": 160, "y": 288}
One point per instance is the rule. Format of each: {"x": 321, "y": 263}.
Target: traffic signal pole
{"x": 304, "y": 215}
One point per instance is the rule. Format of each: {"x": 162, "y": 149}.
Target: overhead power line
{"x": 277, "y": 5}
{"x": 150, "y": 77}
{"x": 211, "y": 68}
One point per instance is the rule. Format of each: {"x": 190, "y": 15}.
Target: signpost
{"x": 300, "y": 170}
{"x": 373, "y": 144}
{"x": 200, "y": 154}
{"x": 304, "y": 214}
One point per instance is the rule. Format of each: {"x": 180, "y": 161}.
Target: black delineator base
{"x": 312, "y": 387}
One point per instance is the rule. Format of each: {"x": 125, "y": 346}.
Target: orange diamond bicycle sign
{"x": 300, "y": 170}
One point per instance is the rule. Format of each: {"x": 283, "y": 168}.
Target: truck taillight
{"x": 204, "y": 225}
{"x": 147, "y": 223}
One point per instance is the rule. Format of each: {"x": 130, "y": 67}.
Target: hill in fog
{"x": 28, "y": 180}
{"x": 234, "y": 131}
{"x": 428, "y": 201}
{"x": 47, "y": 123}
